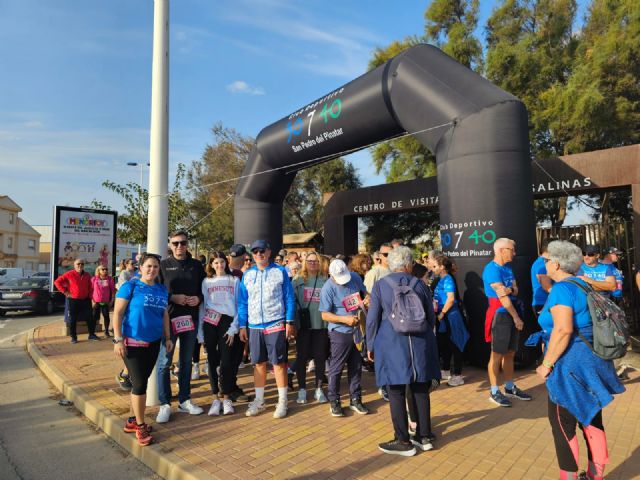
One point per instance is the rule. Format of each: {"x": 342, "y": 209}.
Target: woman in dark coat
{"x": 403, "y": 360}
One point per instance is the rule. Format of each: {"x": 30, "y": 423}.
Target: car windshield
{"x": 27, "y": 282}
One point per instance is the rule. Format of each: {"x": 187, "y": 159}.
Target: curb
{"x": 166, "y": 464}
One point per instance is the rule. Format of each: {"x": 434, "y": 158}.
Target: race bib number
{"x": 352, "y": 302}
{"x": 182, "y": 324}
{"x": 212, "y": 317}
{"x": 278, "y": 327}
{"x": 311, "y": 294}
{"x": 435, "y": 304}
{"x": 132, "y": 342}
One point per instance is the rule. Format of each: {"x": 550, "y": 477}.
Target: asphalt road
{"x": 40, "y": 439}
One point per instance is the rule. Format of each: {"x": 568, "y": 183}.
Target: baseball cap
{"x": 614, "y": 250}
{"x": 339, "y": 271}
{"x": 262, "y": 244}
{"x": 591, "y": 249}
{"x": 237, "y": 250}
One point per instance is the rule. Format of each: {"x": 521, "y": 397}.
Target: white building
{"x": 19, "y": 242}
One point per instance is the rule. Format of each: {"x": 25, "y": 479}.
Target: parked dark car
{"x": 29, "y": 294}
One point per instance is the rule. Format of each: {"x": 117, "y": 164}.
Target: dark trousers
{"x": 80, "y": 309}
{"x": 187, "y": 341}
{"x": 344, "y": 351}
{"x": 219, "y": 353}
{"x": 140, "y": 362}
{"x": 104, "y": 310}
{"x": 418, "y": 402}
{"x": 447, "y": 349}
{"x": 311, "y": 344}
{"x": 196, "y": 352}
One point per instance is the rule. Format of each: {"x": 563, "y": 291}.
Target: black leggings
{"x": 219, "y": 353}
{"x": 447, "y": 348}
{"x": 311, "y": 343}
{"x": 419, "y": 403}
{"x": 104, "y": 309}
{"x": 563, "y": 428}
{"x": 140, "y": 362}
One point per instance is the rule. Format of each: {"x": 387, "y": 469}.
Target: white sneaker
{"x": 302, "y": 396}
{"x": 227, "y": 406}
{"x": 195, "y": 371}
{"x": 164, "y": 413}
{"x": 319, "y": 396}
{"x": 242, "y": 365}
{"x": 190, "y": 408}
{"x": 214, "y": 411}
{"x": 256, "y": 407}
{"x": 456, "y": 381}
{"x": 281, "y": 410}
{"x": 445, "y": 375}
{"x": 311, "y": 367}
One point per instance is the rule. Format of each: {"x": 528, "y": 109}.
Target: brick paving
{"x": 475, "y": 438}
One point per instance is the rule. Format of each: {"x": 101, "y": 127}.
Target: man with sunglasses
{"x": 183, "y": 276}
{"x": 266, "y": 305}
{"x": 380, "y": 269}
{"x": 612, "y": 257}
{"x": 598, "y": 275}
{"x": 76, "y": 286}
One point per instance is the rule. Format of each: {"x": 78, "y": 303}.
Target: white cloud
{"x": 240, "y": 86}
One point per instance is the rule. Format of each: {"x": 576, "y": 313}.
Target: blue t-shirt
{"x": 144, "y": 316}
{"x": 564, "y": 293}
{"x": 334, "y": 297}
{"x": 617, "y": 273}
{"x": 539, "y": 294}
{"x": 598, "y": 272}
{"x": 445, "y": 285}
{"x": 494, "y": 273}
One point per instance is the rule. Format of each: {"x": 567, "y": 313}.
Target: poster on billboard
{"x": 83, "y": 233}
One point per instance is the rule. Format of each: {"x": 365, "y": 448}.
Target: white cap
{"x": 339, "y": 271}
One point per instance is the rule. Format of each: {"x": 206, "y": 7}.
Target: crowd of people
{"x": 388, "y": 312}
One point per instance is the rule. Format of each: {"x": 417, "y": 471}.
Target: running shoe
{"x": 423, "y": 443}
{"x": 319, "y": 396}
{"x": 190, "y": 408}
{"x": 227, "y": 407}
{"x": 312, "y": 366}
{"x": 195, "y": 371}
{"x": 239, "y": 396}
{"x": 106, "y": 334}
{"x": 384, "y": 393}
{"x": 357, "y": 406}
{"x": 515, "y": 392}
{"x": 74, "y": 340}
{"x": 214, "y": 411}
{"x": 94, "y": 338}
{"x": 164, "y": 413}
{"x": 336, "y": 409}
{"x": 396, "y": 447}
{"x": 124, "y": 381}
{"x": 130, "y": 425}
{"x": 255, "y": 408}
{"x": 499, "y": 399}
{"x": 302, "y": 396}
{"x": 456, "y": 381}
{"x": 143, "y": 435}
{"x": 281, "y": 410}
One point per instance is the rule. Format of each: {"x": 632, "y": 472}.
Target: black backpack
{"x": 407, "y": 311}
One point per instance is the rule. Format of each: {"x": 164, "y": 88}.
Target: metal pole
{"x": 159, "y": 147}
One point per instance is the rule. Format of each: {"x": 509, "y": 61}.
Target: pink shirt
{"x": 104, "y": 289}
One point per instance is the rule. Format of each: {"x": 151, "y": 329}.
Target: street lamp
{"x": 135, "y": 164}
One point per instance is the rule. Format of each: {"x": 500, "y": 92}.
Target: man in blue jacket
{"x": 266, "y": 305}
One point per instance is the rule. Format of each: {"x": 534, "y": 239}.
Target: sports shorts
{"x": 268, "y": 344}
{"x": 504, "y": 334}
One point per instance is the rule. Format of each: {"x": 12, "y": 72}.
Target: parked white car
{"x": 7, "y": 274}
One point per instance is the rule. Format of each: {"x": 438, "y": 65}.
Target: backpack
{"x": 610, "y": 328}
{"x": 407, "y": 311}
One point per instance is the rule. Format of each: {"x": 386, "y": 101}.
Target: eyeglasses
{"x": 182, "y": 243}
{"x": 384, "y": 254}
{"x": 258, "y": 250}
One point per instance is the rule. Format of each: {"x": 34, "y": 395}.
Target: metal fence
{"x": 619, "y": 235}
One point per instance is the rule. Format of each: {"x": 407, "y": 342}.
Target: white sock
{"x": 260, "y": 393}
{"x": 282, "y": 394}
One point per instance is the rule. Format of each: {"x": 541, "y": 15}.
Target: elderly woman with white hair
{"x": 579, "y": 383}
{"x": 401, "y": 359}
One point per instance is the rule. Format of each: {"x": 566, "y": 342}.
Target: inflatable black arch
{"x": 478, "y": 132}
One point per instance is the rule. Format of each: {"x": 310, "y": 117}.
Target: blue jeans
{"x": 187, "y": 344}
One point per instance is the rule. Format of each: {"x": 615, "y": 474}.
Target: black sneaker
{"x": 357, "y": 406}
{"x": 499, "y": 399}
{"x": 336, "y": 409}
{"x": 94, "y": 338}
{"x": 239, "y": 396}
{"x": 396, "y": 447}
{"x": 74, "y": 340}
{"x": 423, "y": 443}
{"x": 124, "y": 381}
{"x": 106, "y": 334}
{"x": 515, "y": 392}
{"x": 384, "y": 393}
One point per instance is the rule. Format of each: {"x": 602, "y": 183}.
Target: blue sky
{"x": 76, "y": 81}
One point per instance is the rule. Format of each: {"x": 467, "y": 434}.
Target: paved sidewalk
{"x": 475, "y": 438}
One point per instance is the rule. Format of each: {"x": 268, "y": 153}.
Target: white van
{"x": 7, "y": 274}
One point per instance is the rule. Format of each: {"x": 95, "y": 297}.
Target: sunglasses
{"x": 247, "y": 261}
{"x": 258, "y": 250}
{"x": 385, "y": 254}
{"x": 585, "y": 254}
{"x": 182, "y": 243}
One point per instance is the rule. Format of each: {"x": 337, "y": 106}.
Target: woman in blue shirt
{"x": 579, "y": 383}
{"x": 140, "y": 322}
{"x": 451, "y": 331}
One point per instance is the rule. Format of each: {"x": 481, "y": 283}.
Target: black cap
{"x": 237, "y": 250}
{"x": 614, "y": 250}
{"x": 591, "y": 249}
{"x": 260, "y": 244}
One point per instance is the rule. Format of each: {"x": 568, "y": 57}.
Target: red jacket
{"x": 78, "y": 286}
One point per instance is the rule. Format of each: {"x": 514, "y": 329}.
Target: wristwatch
{"x": 117, "y": 340}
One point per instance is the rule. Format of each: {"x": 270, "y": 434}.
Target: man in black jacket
{"x": 182, "y": 275}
